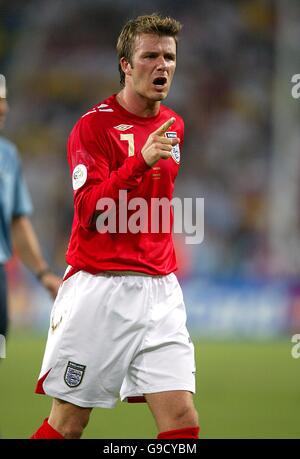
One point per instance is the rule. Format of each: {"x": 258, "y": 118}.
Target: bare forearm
{"x": 28, "y": 248}
{"x": 26, "y": 244}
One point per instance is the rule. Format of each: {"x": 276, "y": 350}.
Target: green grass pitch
{"x": 244, "y": 390}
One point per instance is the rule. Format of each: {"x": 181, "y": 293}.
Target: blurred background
{"x": 241, "y": 285}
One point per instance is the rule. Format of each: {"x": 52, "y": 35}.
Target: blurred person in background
{"x": 16, "y": 230}
{"x": 118, "y": 325}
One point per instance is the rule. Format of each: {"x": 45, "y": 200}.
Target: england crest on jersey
{"x": 74, "y": 374}
{"x": 175, "y": 150}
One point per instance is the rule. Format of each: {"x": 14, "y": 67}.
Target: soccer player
{"x": 15, "y": 225}
{"x": 118, "y": 325}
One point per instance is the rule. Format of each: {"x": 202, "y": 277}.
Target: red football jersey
{"x": 104, "y": 155}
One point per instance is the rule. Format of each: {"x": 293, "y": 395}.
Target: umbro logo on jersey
{"x": 123, "y": 127}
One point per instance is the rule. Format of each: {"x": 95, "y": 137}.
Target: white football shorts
{"x": 117, "y": 336}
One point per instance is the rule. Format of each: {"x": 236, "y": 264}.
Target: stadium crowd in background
{"x": 222, "y": 89}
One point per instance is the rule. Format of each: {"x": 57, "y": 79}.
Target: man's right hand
{"x": 158, "y": 146}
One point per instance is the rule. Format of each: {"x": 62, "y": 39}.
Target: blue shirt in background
{"x": 14, "y": 195}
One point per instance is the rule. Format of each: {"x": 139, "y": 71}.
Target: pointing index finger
{"x": 164, "y": 127}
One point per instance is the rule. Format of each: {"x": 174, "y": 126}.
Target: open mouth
{"x": 160, "y": 81}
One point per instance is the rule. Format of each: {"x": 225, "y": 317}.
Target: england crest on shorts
{"x": 74, "y": 374}
{"x": 175, "y": 150}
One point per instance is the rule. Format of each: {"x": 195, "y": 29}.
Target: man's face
{"x": 3, "y": 112}
{"x": 153, "y": 66}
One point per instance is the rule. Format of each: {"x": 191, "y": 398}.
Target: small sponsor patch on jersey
{"x": 74, "y": 374}
{"x": 79, "y": 176}
{"x": 175, "y": 150}
{"x": 123, "y": 127}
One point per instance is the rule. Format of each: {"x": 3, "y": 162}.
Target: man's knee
{"x": 173, "y": 409}
{"x": 72, "y": 429}
{"x": 185, "y": 414}
{"x": 68, "y": 419}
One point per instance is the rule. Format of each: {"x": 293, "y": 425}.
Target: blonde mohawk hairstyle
{"x": 152, "y": 24}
